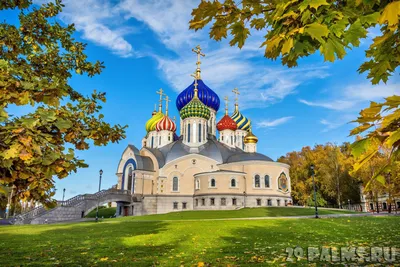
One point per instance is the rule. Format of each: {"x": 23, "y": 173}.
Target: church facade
{"x": 204, "y": 165}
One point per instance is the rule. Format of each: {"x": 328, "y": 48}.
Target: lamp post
{"x": 97, "y": 210}
{"x": 63, "y": 196}
{"x": 349, "y": 203}
{"x": 312, "y": 167}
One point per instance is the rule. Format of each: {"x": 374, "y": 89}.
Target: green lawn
{"x": 103, "y": 212}
{"x": 242, "y": 213}
{"x": 128, "y": 242}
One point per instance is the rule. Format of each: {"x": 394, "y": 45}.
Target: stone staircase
{"x": 74, "y": 208}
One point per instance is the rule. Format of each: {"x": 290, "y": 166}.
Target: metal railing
{"x": 72, "y": 202}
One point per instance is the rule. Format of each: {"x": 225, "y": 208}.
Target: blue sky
{"x": 146, "y": 45}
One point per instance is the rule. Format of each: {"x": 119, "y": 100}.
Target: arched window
{"x": 233, "y": 182}
{"x": 266, "y": 181}
{"x": 243, "y": 142}
{"x": 129, "y": 175}
{"x": 152, "y": 141}
{"x": 257, "y": 181}
{"x": 194, "y": 132}
{"x": 212, "y": 183}
{"x": 231, "y": 140}
{"x": 188, "y": 133}
{"x": 199, "y": 133}
{"x": 197, "y": 184}
{"x": 159, "y": 140}
{"x": 175, "y": 184}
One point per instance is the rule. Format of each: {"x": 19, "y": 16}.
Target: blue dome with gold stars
{"x": 207, "y": 96}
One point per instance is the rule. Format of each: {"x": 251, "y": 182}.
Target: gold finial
{"x": 195, "y": 85}
{"x": 160, "y": 92}
{"x": 236, "y": 92}
{"x": 198, "y": 52}
{"x": 226, "y": 105}
{"x": 166, "y": 104}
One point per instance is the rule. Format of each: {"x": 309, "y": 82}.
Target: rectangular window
{"x": 223, "y": 201}
{"x": 199, "y": 133}
{"x": 285, "y": 202}
{"x": 212, "y": 201}
{"x": 233, "y": 201}
{"x": 384, "y": 206}
{"x": 203, "y": 202}
{"x": 269, "y": 202}
{"x": 175, "y": 205}
{"x": 197, "y": 202}
{"x": 183, "y": 205}
{"x": 278, "y": 202}
{"x": 188, "y": 133}
{"x": 258, "y": 202}
{"x": 398, "y": 205}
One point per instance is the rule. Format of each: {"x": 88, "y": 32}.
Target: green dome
{"x": 195, "y": 108}
{"x": 151, "y": 124}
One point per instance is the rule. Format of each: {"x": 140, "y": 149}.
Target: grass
{"x": 103, "y": 212}
{"x": 242, "y": 213}
{"x": 129, "y": 242}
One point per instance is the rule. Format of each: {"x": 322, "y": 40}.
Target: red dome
{"x": 226, "y": 123}
{"x": 166, "y": 124}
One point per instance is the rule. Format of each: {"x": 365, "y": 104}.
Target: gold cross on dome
{"x": 161, "y": 93}
{"x": 236, "y": 92}
{"x": 166, "y": 104}
{"x": 226, "y": 105}
{"x": 197, "y": 50}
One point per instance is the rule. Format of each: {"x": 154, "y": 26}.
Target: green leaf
{"x": 364, "y": 160}
{"x": 355, "y": 32}
{"x": 332, "y": 46}
{"x": 339, "y": 27}
{"x": 63, "y": 124}
{"x": 359, "y": 147}
{"x": 258, "y": 23}
{"x": 393, "y": 138}
{"x": 370, "y": 19}
{"x": 317, "y": 31}
{"x": 312, "y": 4}
{"x": 239, "y": 33}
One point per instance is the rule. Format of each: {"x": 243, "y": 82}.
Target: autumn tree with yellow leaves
{"x": 37, "y": 58}
{"x": 295, "y": 29}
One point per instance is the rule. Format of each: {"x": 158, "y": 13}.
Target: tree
{"x": 333, "y": 165}
{"x": 296, "y": 29}
{"x": 37, "y": 58}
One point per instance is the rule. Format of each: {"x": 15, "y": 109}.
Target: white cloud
{"x": 367, "y": 91}
{"x": 335, "y": 105}
{"x": 330, "y": 125}
{"x": 355, "y": 96}
{"x": 273, "y": 123}
{"x": 224, "y": 68}
{"x": 97, "y": 20}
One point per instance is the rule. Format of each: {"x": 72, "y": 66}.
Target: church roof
{"x": 212, "y": 149}
{"x": 206, "y": 95}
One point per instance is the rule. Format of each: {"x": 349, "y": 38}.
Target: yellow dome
{"x": 151, "y": 124}
{"x": 250, "y": 138}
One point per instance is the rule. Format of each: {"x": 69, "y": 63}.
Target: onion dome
{"x": 195, "y": 108}
{"x": 242, "y": 122}
{"x": 205, "y": 94}
{"x": 151, "y": 123}
{"x": 166, "y": 124}
{"x": 250, "y": 138}
{"x": 226, "y": 123}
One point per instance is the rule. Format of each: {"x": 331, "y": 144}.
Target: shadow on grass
{"x": 215, "y": 243}
{"x": 86, "y": 244}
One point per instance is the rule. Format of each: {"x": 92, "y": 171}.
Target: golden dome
{"x": 250, "y": 138}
